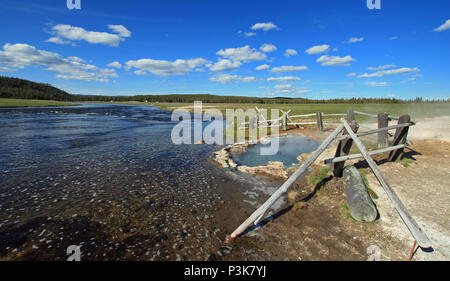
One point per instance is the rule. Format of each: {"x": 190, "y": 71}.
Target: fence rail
{"x": 299, "y": 120}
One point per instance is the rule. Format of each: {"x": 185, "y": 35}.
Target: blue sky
{"x": 336, "y": 48}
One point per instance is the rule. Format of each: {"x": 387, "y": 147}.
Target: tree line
{"x": 23, "y": 89}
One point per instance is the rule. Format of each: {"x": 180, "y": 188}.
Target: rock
{"x": 272, "y": 169}
{"x": 357, "y": 198}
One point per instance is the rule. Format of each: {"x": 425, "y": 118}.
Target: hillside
{"x": 23, "y": 89}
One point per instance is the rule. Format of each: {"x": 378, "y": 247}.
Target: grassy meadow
{"x": 31, "y": 103}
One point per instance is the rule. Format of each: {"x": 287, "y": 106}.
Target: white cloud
{"x": 290, "y": 52}
{"x": 17, "y": 56}
{"x": 166, "y": 68}
{"x": 6, "y": 69}
{"x": 224, "y": 65}
{"x": 355, "y": 39}
{"x": 326, "y": 60}
{"x": 73, "y": 33}
{"x": 115, "y": 64}
{"x": 444, "y": 26}
{"x": 351, "y": 74}
{"x": 393, "y": 38}
{"x": 267, "y": 48}
{"x": 376, "y": 84}
{"x": 266, "y": 26}
{"x": 262, "y": 67}
{"x": 319, "y": 49}
{"x": 245, "y": 54}
{"x": 139, "y": 72}
{"x": 288, "y": 68}
{"x": 381, "y": 73}
{"x": 250, "y": 34}
{"x": 289, "y": 89}
{"x": 228, "y": 78}
{"x": 283, "y": 79}
{"x": 381, "y": 67}
{"x": 120, "y": 29}
{"x": 58, "y": 40}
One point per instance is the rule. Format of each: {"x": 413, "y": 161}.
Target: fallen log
{"x": 357, "y": 198}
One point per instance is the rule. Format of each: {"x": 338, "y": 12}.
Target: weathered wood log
{"x": 358, "y": 200}
{"x": 259, "y": 213}
{"x": 383, "y": 122}
{"x": 319, "y": 121}
{"x": 400, "y": 137}
{"x": 343, "y": 148}
{"x": 409, "y": 221}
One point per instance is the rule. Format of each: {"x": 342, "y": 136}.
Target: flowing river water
{"x": 109, "y": 179}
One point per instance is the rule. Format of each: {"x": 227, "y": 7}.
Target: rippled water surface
{"x": 108, "y": 178}
{"x": 289, "y": 147}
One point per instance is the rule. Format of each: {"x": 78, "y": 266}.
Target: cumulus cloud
{"x": 115, "y": 64}
{"x": 65, "y": 34}
{"x": 262, "y": 67}
{"x": 355, "y": 39}
{"x": 17, "y": 56}
{"x": 382, "y": 73}
{"x": 266, "y": 26}
{"x": 224, "y": 65}
{"x": 228, "y": 78}
{"x": 289, "y": 89}
{"x": 319, "y": 49}
{"x": 351, "y": 74}
{"x": 290, "y": 52}
{"x": 267, "y": 48}
{"x": 283, "y": 79}
{"x": 166, "y": 68}
{"x": 288, "y": 68}
{"x": 245, "y": 54}
{"x": 381, "y": 67}
{"x": 250, "y": 34}
{"x": 326, "y": 60}
{"x": 376, "y": 84}
{"x": 120, "y": 29}
{"x": 444, "y": 26}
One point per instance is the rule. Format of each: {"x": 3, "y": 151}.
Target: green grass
{"x": 416, "y": 110}
{"x": 406, "y": 162}
{"x": 31, "y": 103}
{"x": 319, "y": 176}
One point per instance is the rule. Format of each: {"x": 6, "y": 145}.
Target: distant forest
{"x": 24, "y": 89}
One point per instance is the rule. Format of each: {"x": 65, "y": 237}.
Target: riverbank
{"x": 316, "y": 225}
{"x": 6, "y": 103}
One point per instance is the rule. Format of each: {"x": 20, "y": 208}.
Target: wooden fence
{"x": 349, "y": 129}
{"x": 286, "y": 119}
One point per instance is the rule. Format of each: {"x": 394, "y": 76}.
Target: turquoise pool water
{"x": 289, "y": 148}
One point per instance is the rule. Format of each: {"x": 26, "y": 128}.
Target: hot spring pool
{"x": 289, "y": 148}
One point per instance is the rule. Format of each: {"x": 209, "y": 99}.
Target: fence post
{"x": 400, "y": 137}
{"x": 383, "y": 121}
{"x": 319, "y": 121}
{"x": 284, "y": 121}
{"x": 343, "y": 148}
{"x": 350, "y": 115}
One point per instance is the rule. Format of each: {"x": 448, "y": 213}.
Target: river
{"x": 109, "y": 179}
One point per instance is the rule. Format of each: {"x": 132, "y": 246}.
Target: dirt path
{"x": 422, "y": 181}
